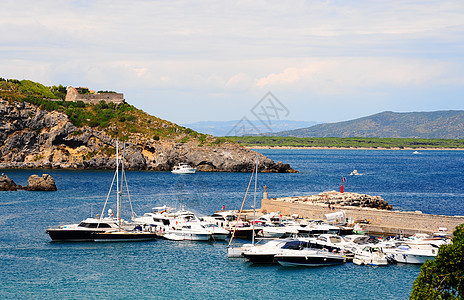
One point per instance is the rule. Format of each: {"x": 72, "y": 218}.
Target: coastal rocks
{"x": 35, "y": 183}
{"x": 33, "y": 138}
{"x": 345, "y": 199}
{"x": 6, "y": 184}
{"x": 44, "y": 183}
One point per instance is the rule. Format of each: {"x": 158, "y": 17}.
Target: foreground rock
{"x": 6, "y": 184}
{"x": 34, "y": 138}
{"x": 44, "y": 183}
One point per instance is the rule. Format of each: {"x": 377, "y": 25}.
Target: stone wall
{"x": 74, "y": 96}
{"x": 380, "y": 221}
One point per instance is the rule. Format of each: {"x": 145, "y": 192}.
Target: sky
{"x": 190, "y": 61}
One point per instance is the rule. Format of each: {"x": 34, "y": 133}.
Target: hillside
{"x": 224, "y": 128}
{"x": 428, "y": 125}
{"x": 38, "y": 129}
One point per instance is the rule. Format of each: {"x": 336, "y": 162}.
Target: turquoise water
{"x": 33, "y": 268}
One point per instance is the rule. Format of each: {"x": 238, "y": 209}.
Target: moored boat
{"x": 370, "y": 255}
{"x": 183, "y": 168}
{"x": 101, "y": 228}
{"x": 309, "y": 257}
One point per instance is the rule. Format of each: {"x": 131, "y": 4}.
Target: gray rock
{"x": 6, "y": 184}
{"x": 44, "y": 183}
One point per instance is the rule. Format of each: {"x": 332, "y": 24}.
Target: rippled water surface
{"x": 32, "y": 267}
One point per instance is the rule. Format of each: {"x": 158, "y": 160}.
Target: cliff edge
{"x": 34, "y": 136}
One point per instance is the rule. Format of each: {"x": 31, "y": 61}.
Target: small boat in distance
{"x": 355, "y": 173}
{"x": 183, "y": 168}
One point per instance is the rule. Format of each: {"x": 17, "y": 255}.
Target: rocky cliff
{"x": 34, "y": 138}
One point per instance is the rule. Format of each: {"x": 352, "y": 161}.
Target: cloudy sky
{"x": 188, "y": 61}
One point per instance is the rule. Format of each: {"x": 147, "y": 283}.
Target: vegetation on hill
{"x": 120, "y": 120}
{"x": 388, "y": 143}
{"x": 436, "y": 124}
{"x": 443, "y": 277}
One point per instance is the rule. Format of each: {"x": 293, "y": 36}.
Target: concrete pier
{"x": 383, "y": 222}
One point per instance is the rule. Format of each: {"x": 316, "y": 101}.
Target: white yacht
{"x": 407, "y": 255}
{"x": 183, "y": 168}
{"x": 265, "y": 253}
{"x": 370, "y": 255}
{"x": 190, "y": 231}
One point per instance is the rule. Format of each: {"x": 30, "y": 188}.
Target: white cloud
{"x": 234, "y": 51}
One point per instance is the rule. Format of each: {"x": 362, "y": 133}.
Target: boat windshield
{"x": 294, "y": 245}
{"x": 94, "y": 225}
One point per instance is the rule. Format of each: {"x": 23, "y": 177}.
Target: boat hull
{"x": 181, "y": 236}
{"x": 124, "y": 236}
{"x": 245, "y": 233}
{"x": 260, "y": 258}
{"x": 309, "y": 260}
{"x": 71, "y": 235}
{"x": 407, "y": 258}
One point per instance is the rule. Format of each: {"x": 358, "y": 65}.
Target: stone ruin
{"x": 76, "y": 94}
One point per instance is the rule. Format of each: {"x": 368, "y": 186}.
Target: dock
{"x": 379, "y": 221}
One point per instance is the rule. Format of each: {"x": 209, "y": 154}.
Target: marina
{"x": 34, "y": 267}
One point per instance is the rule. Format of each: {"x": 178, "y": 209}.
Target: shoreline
{"x": 346, "y": 148}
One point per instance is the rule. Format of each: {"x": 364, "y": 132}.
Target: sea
{"x": 33, "y": 267}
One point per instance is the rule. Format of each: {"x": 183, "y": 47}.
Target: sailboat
{"x": 102, "y": 228}
{"x": 238, "y": 251}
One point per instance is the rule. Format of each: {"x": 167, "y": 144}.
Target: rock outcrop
{"x": 343, "y": 199}
{"x": 34, "y": 138}
{"x": 44, "y": 183}
{"x": 6, "y": 184}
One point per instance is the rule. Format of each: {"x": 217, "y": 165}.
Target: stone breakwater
{"x": 381, "y": 221}
{"x": 343, "y": 199}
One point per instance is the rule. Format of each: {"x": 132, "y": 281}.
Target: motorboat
{"x": 231, "y": 222}
{"x": 217, "y": 233}
{"x": 355, "y": 173}
{"x": 92, "y": 228}
{"x": 408, "y": 255}
{"x": 158, "y": 219}
{"x": 318, "y": 227}
{"x": 419, "y": 239}
{"x": 191, "y": 231}
{"x": 182, "y": 225}
{"x": 309, "y": 257}
{"x": 265, "y": 253}
{"x": 183, "y": 168}
{"x": 85, "y": 230}
{"x": 370, "y": 255}
{"x": 273, "y": 231}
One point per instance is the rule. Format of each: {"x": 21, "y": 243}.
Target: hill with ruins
{"x": 40, "y": 129}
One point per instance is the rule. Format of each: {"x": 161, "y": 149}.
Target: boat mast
{"x": 254, "y": 202}
{"x": 122, "y": 182}
{"x": 118, "y": 216}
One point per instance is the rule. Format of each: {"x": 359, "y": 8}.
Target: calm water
{"x": 32, "y": 267}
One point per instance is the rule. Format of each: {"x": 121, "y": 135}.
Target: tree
{"x": 443, "y": 278}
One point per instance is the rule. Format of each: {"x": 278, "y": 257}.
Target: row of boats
{"x": 331, "y": 249}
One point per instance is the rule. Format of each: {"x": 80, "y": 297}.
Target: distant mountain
{"x": 437, "y": 124}
{"x": 245, "y": 126}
